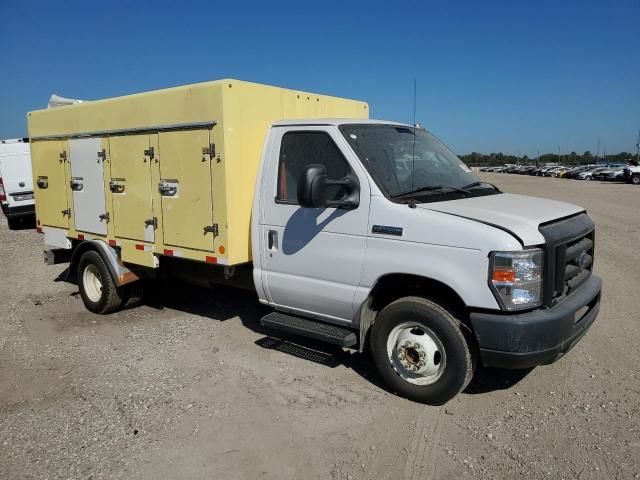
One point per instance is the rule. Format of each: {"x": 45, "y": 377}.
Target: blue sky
{"x": 509, "y": 76}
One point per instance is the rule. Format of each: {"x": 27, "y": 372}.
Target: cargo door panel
{"x": 185, "y": 189}
{"x": 87, "y": 185}
{"x": 130, "y": 158}
{"x": 50, "y": 188}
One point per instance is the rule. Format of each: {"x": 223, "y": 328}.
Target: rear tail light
{"x": 3, "y": 195}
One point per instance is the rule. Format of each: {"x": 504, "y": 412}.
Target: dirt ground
{"x": 190, "y": 386}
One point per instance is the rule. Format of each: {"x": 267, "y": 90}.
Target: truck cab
{"x": 378, "y": 228}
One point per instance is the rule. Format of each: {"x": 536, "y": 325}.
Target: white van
{"x": 16, "y": 181}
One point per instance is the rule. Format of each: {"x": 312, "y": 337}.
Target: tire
{"x": 437, "y": 334}
{"x": 97, "y": 289}
{"x": 635, "y": 179}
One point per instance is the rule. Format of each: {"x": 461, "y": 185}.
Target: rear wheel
{"x": 97, "y": 288}
{"x": 635, "y": 179}
{"x": 420, "y": 351}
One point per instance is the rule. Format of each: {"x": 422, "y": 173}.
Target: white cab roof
{"x": 335, "y": 122}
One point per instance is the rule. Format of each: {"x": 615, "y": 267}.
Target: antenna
{"x": 413, "y": 148}
{"x": 415, "y": 90}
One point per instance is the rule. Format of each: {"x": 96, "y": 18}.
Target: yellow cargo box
{"x": 167, "y": 172}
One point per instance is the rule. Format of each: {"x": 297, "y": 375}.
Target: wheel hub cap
{"x": 416, "y": 353}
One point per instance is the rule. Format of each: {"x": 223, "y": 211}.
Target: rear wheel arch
{"x": 91, "y": 245}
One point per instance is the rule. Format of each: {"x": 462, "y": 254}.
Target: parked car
{"x": 550, "y": 172}
{"x": 632, "y": 174}
{"x": 588, "y": 174}
{"x": 16, "y": 182}
{"x": 333, "y": 223}
{"x": 616, "y": 175}
{"x": 574, "y": 172}
{"x": 604, "y": 173}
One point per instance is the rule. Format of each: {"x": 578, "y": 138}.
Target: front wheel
{"x": 420, "y": 351}
{"x": 635, "y": 179}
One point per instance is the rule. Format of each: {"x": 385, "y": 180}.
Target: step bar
{"x": 310, "y": 329}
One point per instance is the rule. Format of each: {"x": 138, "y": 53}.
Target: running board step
{"x": 310, "y": 328}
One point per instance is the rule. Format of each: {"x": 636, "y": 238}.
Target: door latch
{"x": 153, "y": 221}
{"x": 66, "y": 212}
{"x": 102, "y": 155}
{"x": 210, "y": 150}
{"x": 104, "y": 216}
{"x": 211, "y": 229}
{"x": 63, "y": 156}
{"x": 149, "y": 153}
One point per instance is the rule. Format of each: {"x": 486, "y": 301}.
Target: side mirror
{"x": 312, "y": 189}
{"x": 312, "y": 186}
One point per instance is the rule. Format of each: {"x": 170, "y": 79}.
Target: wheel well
{"x": 78, "y": 250}
{"x": 394, "y": 286}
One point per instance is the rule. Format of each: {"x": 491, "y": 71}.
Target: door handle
{"x": 76, "y": 184}
{"x": 168, "y": 188}
{"x": 273, "y": 240}
{"x": 117, "y": 186}
{"x": 43, "y": 182}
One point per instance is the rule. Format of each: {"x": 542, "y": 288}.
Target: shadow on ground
{"x": 223, "y": 303}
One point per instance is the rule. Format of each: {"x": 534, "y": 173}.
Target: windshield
{"x": 408, "y": 162}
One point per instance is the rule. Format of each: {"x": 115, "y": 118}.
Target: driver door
{"x": 312, "y": 256}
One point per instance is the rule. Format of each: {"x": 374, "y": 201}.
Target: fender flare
{"x": 120, "y": 274}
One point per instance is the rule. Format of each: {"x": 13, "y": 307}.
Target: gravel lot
{"x": 190, "y": 386}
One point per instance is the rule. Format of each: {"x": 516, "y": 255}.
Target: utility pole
{"x": 638, "y": 149}
{"x": 559, "y": 158}
{"x": 538, "y": 158}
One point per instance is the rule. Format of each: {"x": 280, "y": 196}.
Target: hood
{"x": 519, "y": 214}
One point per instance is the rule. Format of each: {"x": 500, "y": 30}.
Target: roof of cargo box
{"x": 200, "y": 105}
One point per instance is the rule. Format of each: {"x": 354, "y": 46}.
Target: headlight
{"x": 516, "y": 278}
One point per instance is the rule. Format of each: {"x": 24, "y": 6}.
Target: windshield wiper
{"x": 430, "y": 188}
{"x": 477, "y": 184}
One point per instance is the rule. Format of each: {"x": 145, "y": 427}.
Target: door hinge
{"x": 66, "y": 212}
{"x": 212, "y": 229}
{"x": 153, "y": 221}
{"x": 104, "y": 216}
{"x": 210, "y": 150}
{"x": 102, "y": 155}
{"x": 149, "y": 153}
{"x": 63, "y": 156}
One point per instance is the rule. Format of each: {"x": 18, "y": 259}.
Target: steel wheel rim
{"x": 416, "y": 353}
{"x": 92, "y": 283}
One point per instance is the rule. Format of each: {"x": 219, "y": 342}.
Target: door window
{"x": 299, "y": 149}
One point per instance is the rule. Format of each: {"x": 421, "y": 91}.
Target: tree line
{"x": 573, "y": 158}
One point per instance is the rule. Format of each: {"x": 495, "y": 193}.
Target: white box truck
{"x": 16, "y": 181}
{"x": 368, "y": 234}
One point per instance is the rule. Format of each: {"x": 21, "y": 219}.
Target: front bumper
{"x": 538, "y": 337}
